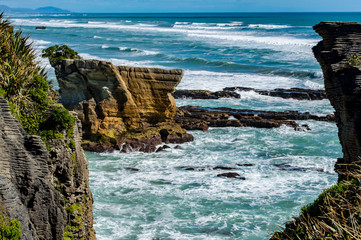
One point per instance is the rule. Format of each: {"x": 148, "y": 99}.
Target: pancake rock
{"x": 339, "y": 54}
{"x": 126, "y": 108}
{"x": 40, "y": 188}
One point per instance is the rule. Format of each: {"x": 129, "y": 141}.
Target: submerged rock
{"x": 288, "y": 167}
{"x": 295, "y": 93}
{"x": 124, "y": 108}
{"x": 231, "y": 175}
{"x": 245, "y": 165}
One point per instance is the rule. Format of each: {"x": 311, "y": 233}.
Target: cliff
{"x": 335, "y": 214}
{"x": 125, "y": 108}
{"x": 339, "y": 55}
{"x": 47, "y": 191}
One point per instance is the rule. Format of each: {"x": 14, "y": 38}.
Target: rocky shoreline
{"x": 229, "y": 92}
{"x": 201, "y": 118}
{"x": 133, "y": 109}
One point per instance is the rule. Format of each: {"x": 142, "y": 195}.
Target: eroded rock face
{"x": 124, "y": 108}
{"x": 27, "y": 189}
{"x": 338, "y": 54}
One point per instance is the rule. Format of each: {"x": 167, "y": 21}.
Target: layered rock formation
{"x": 335, "y": 213}
{"x": 200, "y": 118}
{"x": 339, "y": 54}
{"x": 39, "y": 189}
{"x": 124, "y": 108}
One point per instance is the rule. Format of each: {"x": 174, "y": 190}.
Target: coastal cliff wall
{"x": 335, "y": 213}
{"x": 339, "y": 54}
{"x": 47, "y": 191}
{"x": 126, "y": 108}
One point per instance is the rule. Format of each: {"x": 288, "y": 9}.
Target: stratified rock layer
{"x": 27, "y": 182}
{"x": 339, "y": 54}
{"x": 124, "y": 108}
{"x": 200, "y": 118}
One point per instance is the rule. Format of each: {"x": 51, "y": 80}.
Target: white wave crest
{"x": 268, "y": 26}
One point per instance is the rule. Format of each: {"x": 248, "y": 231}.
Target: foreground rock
{"x": 295, "y": 93}
{"x": 200, "y": 118}
{"x": 339, "y": 55}
{"x": 125, "y": 108}
{"x": 335, "y": 213}
{"x": 34, "y": 183}
{"x": 204, "y": 94}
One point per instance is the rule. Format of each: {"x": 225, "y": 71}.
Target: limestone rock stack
{"x": 126, "y": 108}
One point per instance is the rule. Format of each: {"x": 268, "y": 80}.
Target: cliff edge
{"x": 125, "y": 108}
{"x": 339, "y": 54}
{"x": 47, "y": 191}
{"x": 335, "y": 214}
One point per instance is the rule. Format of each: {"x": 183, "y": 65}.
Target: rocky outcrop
{"x": 37, "y": 187}
{"x": 200, "y": 118}
{"x": 295, "y": 93}
{"x": 124, "y": 108}
{"x": 205, "y": 94}
{"x": 339, "y": 54}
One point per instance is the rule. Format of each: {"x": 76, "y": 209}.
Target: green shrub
{"x": 56, "y": 53}
{"x": 353, "y": 60}
{"x": 9, "y": 228}
{"x": 335, "y": 214}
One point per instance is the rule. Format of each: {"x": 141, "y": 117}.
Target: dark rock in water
{"x": 132, "y": 169}
{"x": 40, "y": 28}
{"x": 287, "y": 167}
{"x": 231, "y": 175}
{"x": 190, "y": 169}
{"x": 206, "y": 168}
{"x": 339, "y": 55}
{"x": 161, "y": 148}
{"x": 178, "y": 147}
{"x": 223, "y": 168}
{"x": 295, "y": 93}
{"x": 200, "y": 118}
{"x": 245, "y": 165}
{"x": 204, "y": 94}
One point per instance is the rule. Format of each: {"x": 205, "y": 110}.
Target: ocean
{"x": 217, "y": 50}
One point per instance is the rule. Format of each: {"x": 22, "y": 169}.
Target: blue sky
{"x": 192, "y": 5}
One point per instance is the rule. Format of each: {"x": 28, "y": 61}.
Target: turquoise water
{"x": 163, "y": 200}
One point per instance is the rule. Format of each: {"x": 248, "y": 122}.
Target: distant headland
{"x": 48, "y": 9}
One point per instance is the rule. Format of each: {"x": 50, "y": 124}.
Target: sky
{"x": 112, "y": 6}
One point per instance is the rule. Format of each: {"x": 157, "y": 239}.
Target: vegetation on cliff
{"x": 335, "y": 214}
{"x": 10, "y": 229}
{"x": 58, "y": 53}
{"x": 33, "y": 101}
{"x": 24, "y": 85}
